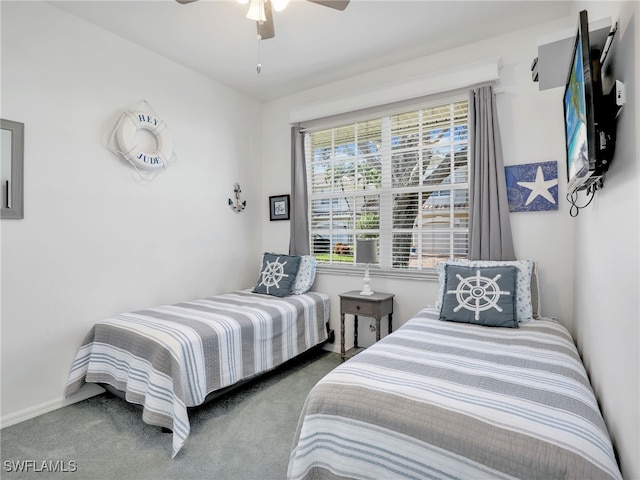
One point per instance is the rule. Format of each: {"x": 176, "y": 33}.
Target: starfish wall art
{"x": 532, "y": 186}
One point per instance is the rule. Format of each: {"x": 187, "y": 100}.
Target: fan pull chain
{"x": 259, "y": 67}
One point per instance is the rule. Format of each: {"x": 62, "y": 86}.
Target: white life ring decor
{"x": 124, "y": 141}
{"x": 130, "y": 124}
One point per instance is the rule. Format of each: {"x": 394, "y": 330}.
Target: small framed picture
{"x": 279, "y": 207}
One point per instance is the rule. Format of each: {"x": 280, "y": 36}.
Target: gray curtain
{"x": 299, "y": 223}
{"x": 489, "y": 225}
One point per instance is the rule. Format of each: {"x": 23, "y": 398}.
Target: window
{"x": 400, "y": 177}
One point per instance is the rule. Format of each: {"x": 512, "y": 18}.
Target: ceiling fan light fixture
{"x": 279, "y": 5}
{"x": 256, "y": 11}
{"x": 260, "y": 11}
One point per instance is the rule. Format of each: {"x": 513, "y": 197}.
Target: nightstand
{"x": 377, "y": 306}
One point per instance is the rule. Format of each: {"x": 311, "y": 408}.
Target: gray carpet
{"x": 247, "y": 434}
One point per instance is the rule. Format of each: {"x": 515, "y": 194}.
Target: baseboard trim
{"x": 87, "y": 391}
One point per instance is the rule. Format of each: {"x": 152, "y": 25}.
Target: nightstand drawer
{"x": 357, "y": 307}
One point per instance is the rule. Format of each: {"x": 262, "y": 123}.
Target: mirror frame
{"x": 17, "y": 170}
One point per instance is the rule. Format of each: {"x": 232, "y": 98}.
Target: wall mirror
{"x": 12, "y": 169}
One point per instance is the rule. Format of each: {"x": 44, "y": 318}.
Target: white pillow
{"x": 524, "y": 306}
{"x": 442, "y": 280}
{"x": 306, "y": 275}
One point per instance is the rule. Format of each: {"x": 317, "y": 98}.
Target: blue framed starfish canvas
{"x": 532, "y": 186}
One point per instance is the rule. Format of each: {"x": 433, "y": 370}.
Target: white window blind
{"x": 401, "y": 178}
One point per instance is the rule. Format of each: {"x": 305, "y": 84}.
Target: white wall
{"x": 607, "y": 259}
{"x": 94, "y": 241}
{"x": 602, "y": 308}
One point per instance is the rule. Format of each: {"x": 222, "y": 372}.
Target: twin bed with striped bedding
{"x": 171, "y": 357}
{"x": 448, "y": 400}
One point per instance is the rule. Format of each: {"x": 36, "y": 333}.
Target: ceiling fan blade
{"x": 184, "y": 2}
{"x": 265, "y": 29}
{"x": 337, "y": 4}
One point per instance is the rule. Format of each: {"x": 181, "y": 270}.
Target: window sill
{"x": 426, "y": 274}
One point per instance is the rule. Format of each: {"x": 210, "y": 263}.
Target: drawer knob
{"x": 357, "y": 307}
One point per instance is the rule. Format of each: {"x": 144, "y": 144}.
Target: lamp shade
{"x": 367, "y": 250}
{"x": 279, "y": 5}
{"x": 256, "y": 11}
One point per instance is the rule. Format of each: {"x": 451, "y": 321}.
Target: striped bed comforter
{"x": 443, "y": 400}
{"x": 169, "y": 358}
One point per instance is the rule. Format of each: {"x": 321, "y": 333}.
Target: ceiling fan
{"x": 261, "y": 12}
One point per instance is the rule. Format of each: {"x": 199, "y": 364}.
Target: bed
{"x": 456, "y": 400}
{"x": 172, "y": 357}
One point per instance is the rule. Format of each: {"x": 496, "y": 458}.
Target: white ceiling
{"x": 313, "y": 45}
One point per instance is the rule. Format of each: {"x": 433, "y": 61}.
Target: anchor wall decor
{"x": 237, "y": 205}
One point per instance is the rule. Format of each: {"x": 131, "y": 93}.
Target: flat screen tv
{"x": 587, "y": 124}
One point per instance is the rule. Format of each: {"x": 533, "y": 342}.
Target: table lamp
{"x": 367, "y": 253}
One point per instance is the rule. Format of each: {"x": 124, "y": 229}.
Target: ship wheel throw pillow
{"x": 277, "y": 274}
{"x": 484, "y": 296}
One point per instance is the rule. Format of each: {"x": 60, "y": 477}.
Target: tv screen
{"x": 579, "y": 111}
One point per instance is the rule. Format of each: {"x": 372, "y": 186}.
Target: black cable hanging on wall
{"x": 572, "y": 197}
